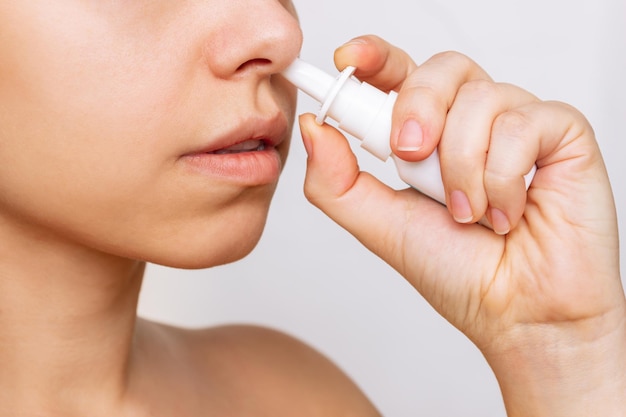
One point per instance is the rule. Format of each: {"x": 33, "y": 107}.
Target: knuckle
{"x": 459, "y": 154}
{"x": 458, "y": 165}
{"x": 513, "y": 124}
{"x": 454, "y": 58}
{"x": 497, "y": 181}
{"x": 413, "y": 88}
{"x": 480, "y": 90}
{"x": 577, "y": 117}
{"x": 420, "y": 100}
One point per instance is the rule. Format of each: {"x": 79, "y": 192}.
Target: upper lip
{"x": 271, "y": 130}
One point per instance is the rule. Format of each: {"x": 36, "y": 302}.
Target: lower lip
{"x": 246, "y": 168}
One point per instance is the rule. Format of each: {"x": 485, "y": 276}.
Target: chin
{"x": 210, "y": 244}
{"x": 203, "y": 257}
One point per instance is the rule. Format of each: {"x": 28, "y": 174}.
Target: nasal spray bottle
{"x": 364, "y": 112}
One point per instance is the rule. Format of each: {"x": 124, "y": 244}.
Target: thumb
{"x": 332, "y": 168}
{"x": 379, "y": 217}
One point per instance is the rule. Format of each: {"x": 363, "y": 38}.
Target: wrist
{"x": 547, "y": 370}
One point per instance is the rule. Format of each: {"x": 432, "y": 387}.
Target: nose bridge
{"x": 259, "y": 35}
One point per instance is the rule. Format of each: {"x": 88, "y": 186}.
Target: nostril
{"x": 254, "y": 64}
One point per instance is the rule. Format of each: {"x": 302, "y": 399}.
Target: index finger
{"x": 377, "y": 62}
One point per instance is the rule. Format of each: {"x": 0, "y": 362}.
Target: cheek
{"x": 70, "y": 71}
{"x": 80, "y": 106}
{"x": 90, "y": 130}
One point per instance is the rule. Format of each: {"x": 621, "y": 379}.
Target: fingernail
{"x": 460, "y": 207}
{"x": 499, "y": 222}
{"x": 411, "y": 137}
{"x": 355, "y": 41}
{"x": 306, "y": 139}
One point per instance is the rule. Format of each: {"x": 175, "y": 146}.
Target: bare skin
{"x": 155, "y": 131}
{"x": 540, "y": 295}
{"x": 71, "y": 345}
{"x": 114, "y": 116}
{"x": 239, "y": 370}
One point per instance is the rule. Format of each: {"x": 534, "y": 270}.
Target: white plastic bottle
{"x": 364, "y": 112}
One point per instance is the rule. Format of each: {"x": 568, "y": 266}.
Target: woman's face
{"x": 148, "y": 129}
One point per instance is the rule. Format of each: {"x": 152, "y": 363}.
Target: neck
{"x": 67, "y": 317}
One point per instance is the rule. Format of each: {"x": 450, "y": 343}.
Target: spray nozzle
{"x": 361, "y": 110}
{"x": 364, "y": 111}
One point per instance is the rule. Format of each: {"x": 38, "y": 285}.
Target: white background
{"x": 311, "y": 279}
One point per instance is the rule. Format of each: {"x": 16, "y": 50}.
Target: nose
{"x": 261, "y": 37}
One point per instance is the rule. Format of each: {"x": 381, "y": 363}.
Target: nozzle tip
{"x": 312, "y": 80}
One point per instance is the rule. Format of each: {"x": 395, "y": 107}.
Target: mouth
{"x": 251, "y": 145}
{"x": 248, "y": 152}
{"x": 249, "y": 162}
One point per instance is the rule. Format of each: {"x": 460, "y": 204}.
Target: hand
{"x": 540, "y": 297}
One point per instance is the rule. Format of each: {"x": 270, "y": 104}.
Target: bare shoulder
{"x": 263, "y": 369}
